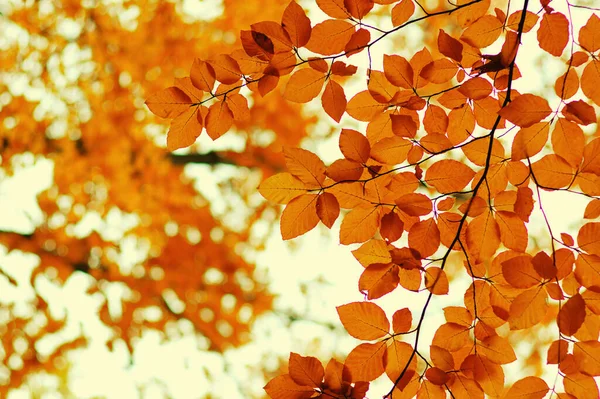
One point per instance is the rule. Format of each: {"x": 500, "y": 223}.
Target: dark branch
{"x": 209, "y": 158}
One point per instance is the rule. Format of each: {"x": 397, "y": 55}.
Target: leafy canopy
{"x": 446, "y": 169}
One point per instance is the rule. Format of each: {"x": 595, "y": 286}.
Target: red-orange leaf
{"x": 553, "y": 33}
{"x": 526, "y": 110}
{"x": 202, "y": 75}
{"x": 449, "y": 46}
{"x": 424, "y": 237}
{"x": 398, "y": 71}
{"x": 391, "y": 226}
{"x": 218, "y": 120}
{"x": 378, "y": 280}
{"x": 296, "y": 24}
{"x": 571, "y": 315}
{"x": 328, "y": 209}
{"x": 304, "y": 85}
{"x": 588, "y": 238}
{"x": 334, "y": 100}
{"x": 402, "y": 320}
{"x": 557, "y": 351}
{"x": 306, "y": 370}
{"x": 436, "y": 281}
{"x": 354, "y": 146}
{"x": 513, "y": 232}
{"x": 358, "y": 42}
{"x": 589, "y": 34}
{"x": 299, "y": 216}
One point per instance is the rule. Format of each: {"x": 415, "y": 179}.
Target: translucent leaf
{"x": 528, "y": 388}
{"x": 528, "y": 309}
{"x": 328, "y": 209}
{"x": 366, "y": 361}
{"x": 184, "y": 129}
{"x": 305, "y": 165}
{"x": 296, "y": 24}
{"x": 589, "y": 34}
{"x": 330, "y": 37}
{"x": 304, "y": 85}
{"x": 354, "y": 146}
{"x": 402, "y": 320}
{"x": 590, "y": 81}
{"x": 526, "y": 109}
{"x": 449, "y": 176}
{"x": 359, "y": 225}
{"x": 402, "y": 12}
{"x": 283, "y": 387}
{"x": 483, "y": 32}
{"x": 281, "y": 188}
{"x": 218, "y": 120}
{"x": 333, "y": 100}
{"x": 299, "y": 216}
{"x": 553, "y": 33}
{"x": 169, "y": 103}
{"x": 307, "y": 371}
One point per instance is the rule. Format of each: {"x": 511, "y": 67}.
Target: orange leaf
{"x": 451, "y": 336}
{"x": 281, "y": 188}
{"x": 305, "y": 165}
{"x": 514, "y": 19}
{"x": 513, "y": 232}
{"x": 307, "y": 371}
{"x": 424, "y": 237}
{"x": 283, "y": 387}
{"x": 588, "y": 238}
{"x": 528, "y": 388}
{"x": 391, "y": 150}
{"x": 202, "y": 75}
{"x": 519, "y": 272}
{"x": 398, "y": 354}
{"x": 364, "y": 107}
{"x": 299, "y": 216}
{"x": 354, "y": 146}
{"x": 378, "y": 280}
{"x": 483, "y": 236}
{"x": 581, "y": 386}
{"x": 448, "y": 176}
{"x": 579, "y": 112}
{"x": 169, "y": 103}
{"x": 358, "y": 42}
{"x": 334, "y": 8}
{"x": 296, "y": 24}
{"x": 402, "y": 320}
{"x": 359, "y": 224}
{"x": 403, "y": 126}
{"x": 402, "y": 12}
{"x": 436, "y": 281}
{"x": 398, "y": 71}
{"x": 226, "y": 69}
{"x": 330, "y": 37}
{"x": 436, "y": 376}
{"x": 371, "y": 252}
{"x": 590, "y": 81}
{"x": 344, "y": 170}
{"x": 587, "y": 356}
{"x": 391, "y": 226}
{"x": 185, "y": 129}
{"x": 497, "y": 349}
{"x": 557, "y": 351}
{"x": 333, "y": 100}
{"x": 304, "y": 85}
{"x": 566, "y": 85}
{"x": 589, "y": 34}
{"x": 526, "y": 110}
{"x": 328, "y": 209}
{"x": 592, "y": 210}
{"x": 238, "y": 105}
{"x": 568, "y": 141}
{"x": 553, "y": 33}
{"x": 414, "y": 204}
{"x": 439, "y": 71}
{"x": 552, "y": 171}
{"x": 218, "y": 120}
{"x": 358, "y": 8}
{"x": 334, "y": 375}
{"x": 449, "y": 46}
{"x": 528, "y": 309}
{"x": 483, "y": 32}
{"x": 366, "y": 362}
{"x": 488, "y": 375}
{"x": 530, "y": 140}
{"x": 476, "y": 88}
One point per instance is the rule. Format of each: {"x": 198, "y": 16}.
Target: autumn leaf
{"x": 525, "y": 110}
{"x": 306, "y": 371}
{"x": 448, "y": 176}
{"x": 553, "y": 33}
{"x": 304, "y": 85}
{"x": 299, "y": 216}
{"x": 281, "y": 188}
{"x": 169, "y": 103}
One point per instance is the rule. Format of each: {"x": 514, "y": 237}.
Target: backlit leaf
{"x": 528, "y": 309}
{"x": 364, "y": 320}
{"x": 299, "y": 216}
{"x": 354, "y": 146}
{"x": 169, "y": 103}
{"x": 281, "y": 188}
{"x": 483, "y": 32}
{"x": 571, "y": 315}
{"x": 334, "y": 100}
{"x": 366, "y": 362}
{"x": 589, "y": 35}
{"x": 305, "y": 165}
{"x": 296, "y": 24}
{"x": 526, "y": 109}
{"x": 402, "y": 12}
{"x": 304, "y": 85}
{"x": 449, "y": 176}
{"x": 553, "y": 33}
{"x": 330, "y": 37}
{"x": 328, "y": 209}
{"x": 359, "y": 225}
{"x": 306, "y": 370}
{"x": 528, "y": 388}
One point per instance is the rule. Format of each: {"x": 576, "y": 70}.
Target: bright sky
{"x": 310, "y": 279}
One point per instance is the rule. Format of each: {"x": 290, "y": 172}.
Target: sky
{"x": 310, "y": 277}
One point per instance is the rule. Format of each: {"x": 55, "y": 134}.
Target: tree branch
{"x": 209, "y": 158}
